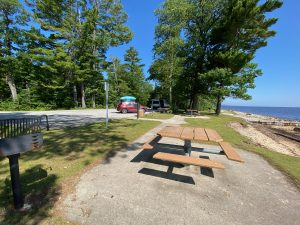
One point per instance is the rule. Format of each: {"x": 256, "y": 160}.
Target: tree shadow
{"x": 40, "y": 192}
{"x": 92, "y": 140}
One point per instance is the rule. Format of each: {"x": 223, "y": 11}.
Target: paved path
{"x": 132, "y": 188}
{"x": 65, "y": 118}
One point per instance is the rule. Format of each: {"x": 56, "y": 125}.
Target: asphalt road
{"x": 65, "y": 118}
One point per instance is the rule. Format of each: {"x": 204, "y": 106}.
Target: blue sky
{"x": 280, "y": 60}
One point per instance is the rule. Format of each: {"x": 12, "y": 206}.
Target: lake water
{"x": 290, "y": 113}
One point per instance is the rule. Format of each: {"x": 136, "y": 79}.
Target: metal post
{"x": 137, "y": 110}
{"x": 15, "y": 181}
{"x": 106, "y": 94}
{"x": 187, "y": 147}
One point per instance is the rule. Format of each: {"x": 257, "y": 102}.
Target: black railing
{"x": 10, "y": 128}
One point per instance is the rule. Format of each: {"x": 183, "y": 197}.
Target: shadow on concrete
{"x": 147, "y": 156}
{"x": 167, "y": 175}
{"x": 205, "y": 170}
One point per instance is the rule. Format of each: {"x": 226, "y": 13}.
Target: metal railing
{"x": 10, "y": 128}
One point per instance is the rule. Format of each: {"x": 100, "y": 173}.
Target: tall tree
{"x": 221, "y": 38}
{"x": 134, "y": 76}
{"x": 80, "y": 34}
{"x": 242, "y": 29}
{"x": 13, "y": 19}
{"x": 168, "y": 62}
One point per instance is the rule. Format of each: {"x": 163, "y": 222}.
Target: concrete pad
{"x": 133, "y": 188}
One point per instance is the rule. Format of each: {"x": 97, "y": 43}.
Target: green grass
{"x": 288, "y": 164}
{"x": 160, "y": 116}
{"x": 65, "y": 153}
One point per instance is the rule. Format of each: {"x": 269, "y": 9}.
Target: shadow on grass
{"x": 72, "y": 143}
{"x": 40, "y": 191}
{"x": 62, "y": 149}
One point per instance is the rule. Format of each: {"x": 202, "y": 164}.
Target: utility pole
{"x": 106, "y": 87}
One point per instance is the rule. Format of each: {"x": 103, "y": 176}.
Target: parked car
{"x": 156, "y": 104}
{"x": 129, "y": 107}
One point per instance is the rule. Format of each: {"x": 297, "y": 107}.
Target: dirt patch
{"x": 263, "y": 136}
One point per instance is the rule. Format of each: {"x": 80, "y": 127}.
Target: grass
{"x": 65, "y": 153}
{"x": 288, "y": 164}
{"x": 160, "y": 116}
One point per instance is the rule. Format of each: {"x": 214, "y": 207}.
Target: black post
{"x": 15, "y": 181}
{"x": 137, "y": 110}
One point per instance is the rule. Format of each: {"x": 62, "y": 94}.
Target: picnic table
{"x": 188, "y": 134}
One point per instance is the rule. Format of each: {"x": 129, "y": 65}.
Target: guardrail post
{"x": 137, "y": 110}
{"x": 15, "y": 181}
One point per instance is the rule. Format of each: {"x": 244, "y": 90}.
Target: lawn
{"x": 64, "y": 155}
{"x": 160, "y": 116}
{"x": 288, "y": 164}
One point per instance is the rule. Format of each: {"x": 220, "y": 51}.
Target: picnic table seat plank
{"x": 150, "y": 144}
{"x": 200, "y": 134}
{"x": 187, "y": 133}
{"x": 188, "y": 160}
{"x": 213, "y": 135}
{"x": 230, "y": 152}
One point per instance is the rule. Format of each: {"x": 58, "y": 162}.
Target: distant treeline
{"x": 53, "y": 54}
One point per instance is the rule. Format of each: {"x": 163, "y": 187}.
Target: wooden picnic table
{"x": 188, "y": 134}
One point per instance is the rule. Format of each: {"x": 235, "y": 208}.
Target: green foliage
{"x": 128, "y": 78}
{"x": 59, "y": 57}
{"x": 210, "y": 47}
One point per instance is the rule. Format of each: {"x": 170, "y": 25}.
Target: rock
{"x": 297, "y": 129}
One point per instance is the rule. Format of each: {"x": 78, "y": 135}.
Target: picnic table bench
{"x": 189, "y": 134}
{"x": 192, "y": 111}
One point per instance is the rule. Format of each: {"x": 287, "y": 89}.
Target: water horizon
{"x": 281, "y": 112}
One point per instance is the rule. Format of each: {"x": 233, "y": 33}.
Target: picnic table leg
{"x": 187, "y": 147}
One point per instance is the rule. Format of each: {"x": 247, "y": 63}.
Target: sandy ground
{"x": 133, "y": 188}
{"x": 264, "y": 135}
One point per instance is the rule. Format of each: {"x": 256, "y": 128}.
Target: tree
{"x": 220, "y": 40}
{"x": 13, "y": 18}
{"x": 79, "y": 35}
{"x": 168, "y": 63}
{"x": 242, "y": 29}
{"x": 134, "y": 76}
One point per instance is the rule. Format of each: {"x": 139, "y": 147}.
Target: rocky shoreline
{"x": 273, "y": 133}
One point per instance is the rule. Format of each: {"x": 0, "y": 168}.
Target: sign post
{"x": 106, "y": 87}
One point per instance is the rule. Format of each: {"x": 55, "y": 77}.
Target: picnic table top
{"x": 188, "y": 133}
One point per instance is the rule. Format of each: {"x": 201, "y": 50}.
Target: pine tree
{"x": 13, "y": 19}
{"x": 134, "y": 76}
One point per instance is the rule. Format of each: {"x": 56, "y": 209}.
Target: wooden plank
{"x": 187, "y": 133}
{"x": 230, "y": 152}
{"x": 200, "y": 134}
{"x": 188, "y": 160}
{"x": 174, "y": 132}
{"x": 213, "y": 135}
{"x": 150, "y": 144}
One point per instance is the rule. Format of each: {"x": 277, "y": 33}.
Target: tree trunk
{"x": 195, "y": 104}
{"x": 75, "y": 98}
{"x": 83, "y": 105}
{"x": 170, "y": 90}
{"x": 93, "y": 101}
{"x": 219, "y": 105}
{"x": 12, "y": 86}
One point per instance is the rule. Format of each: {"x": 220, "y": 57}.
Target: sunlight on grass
{"x": 161, "y": 116}
{"x": 288, "y": 164}
{"x": 64, "y": 154}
